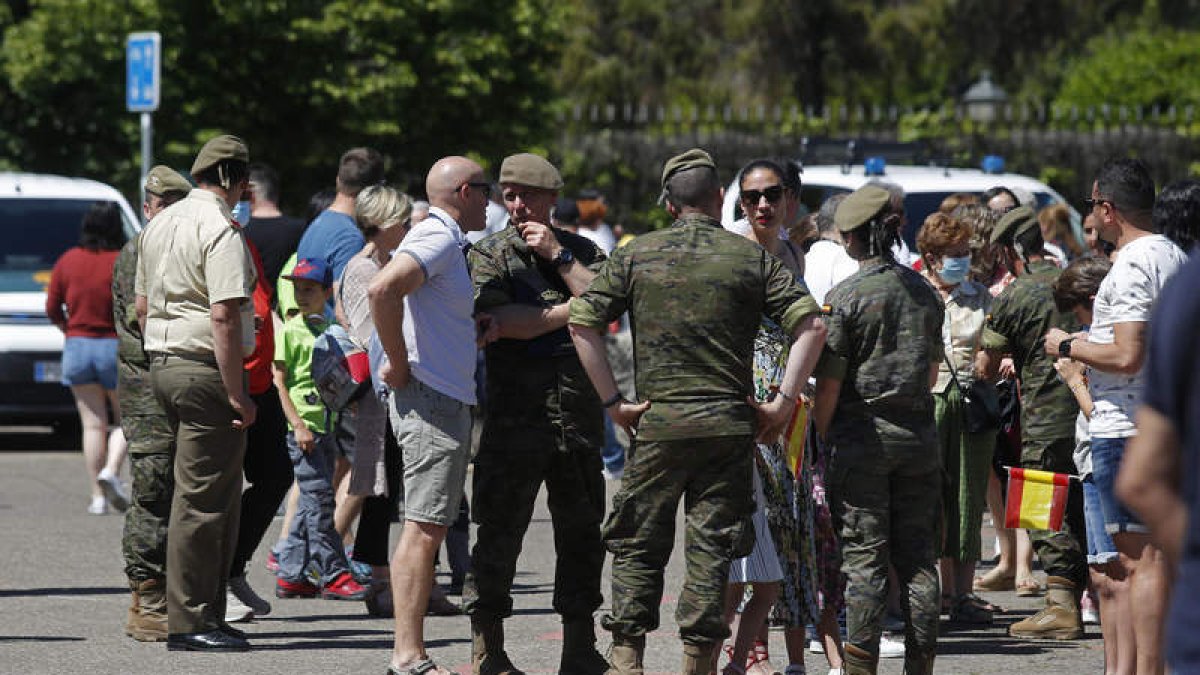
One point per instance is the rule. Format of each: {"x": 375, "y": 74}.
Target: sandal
{"x": 970, "y": 609}
{"x": 424, "y": 666}
{"x": 1029, "y": 588}
{"x": 759, "y": 661}
{"x": 995, "y": 581}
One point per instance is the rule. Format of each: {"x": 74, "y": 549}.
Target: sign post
{"x": 143, "y": 71}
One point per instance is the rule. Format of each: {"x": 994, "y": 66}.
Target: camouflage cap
{"x": 1013, "y": 224}
{"x": 163, "y": 180}
{"x": 220, "y": 148}
{"x": 530, "y": 170}
{"x": 689, "y": 160}
{"x": 860, "y": 207}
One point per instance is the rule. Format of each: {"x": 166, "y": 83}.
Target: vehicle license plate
{"x": 47, "y": 371}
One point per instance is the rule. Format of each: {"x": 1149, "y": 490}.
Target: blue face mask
{"x": 241, "y": 212}
{"x": 954, "y": 270}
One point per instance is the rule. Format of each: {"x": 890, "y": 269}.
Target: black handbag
{"x": 981, "y": 403}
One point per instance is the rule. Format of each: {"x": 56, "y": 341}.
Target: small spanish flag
{"x": 1037, "y": 500}
{"x": 794, "y": 438}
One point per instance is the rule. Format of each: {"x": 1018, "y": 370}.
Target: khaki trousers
{"x": 202, "y": 533}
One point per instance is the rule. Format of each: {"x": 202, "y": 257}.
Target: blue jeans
{"x": 312, "y": 537}
{"x": 1106, "y": 462}
{"x": 1100, "y": 548}
{"x": 613, "y": 452}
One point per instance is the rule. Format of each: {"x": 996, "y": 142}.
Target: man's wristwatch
{"x": 1064, "y": 348}
{"x": 564, "y": 257}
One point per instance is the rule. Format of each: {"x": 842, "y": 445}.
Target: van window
{"x": 35, "y": 232}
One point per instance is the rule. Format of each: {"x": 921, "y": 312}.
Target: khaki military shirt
{"x": 696, "y": 294}
{"x": 1019, "y": 319}
{"x": 191, "y": 256}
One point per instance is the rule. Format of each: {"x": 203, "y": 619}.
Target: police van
{"x": 924, "y": 188}
{"x": 40, "y": 218}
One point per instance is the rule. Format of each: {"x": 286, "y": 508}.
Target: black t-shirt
{"x": 276, "y": 239}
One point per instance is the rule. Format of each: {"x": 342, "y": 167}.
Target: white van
{"x": 40, "y": 218}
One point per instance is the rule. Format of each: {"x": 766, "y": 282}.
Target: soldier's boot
{"x": 625, "y": 655}
{"x": 859, "y": 662}
{"x": 149, "y": 622}
{"x": 1058, "y": 620}
{"x": 487, "y": 649}
{"x": 698, "y": 659}
{"x": 917, "y": 663}
{"x": 579, "y": 655}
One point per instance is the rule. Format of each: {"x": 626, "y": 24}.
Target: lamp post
{"x": 983, "y": 100}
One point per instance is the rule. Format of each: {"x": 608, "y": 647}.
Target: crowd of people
{"x": 835, "y": 412}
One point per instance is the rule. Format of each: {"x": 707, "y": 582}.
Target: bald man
{"x": 423, "y": 303}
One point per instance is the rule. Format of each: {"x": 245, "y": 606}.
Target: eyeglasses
{"x": 1092, "y": 203}
{"x": 773, "y": 195}
{"x": 485, "y": 188}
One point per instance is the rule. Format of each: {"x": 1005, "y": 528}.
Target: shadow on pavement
{"x": 39, "y": 638}
{"x": 93, "y": 590}
{"x": 336, "y": 639}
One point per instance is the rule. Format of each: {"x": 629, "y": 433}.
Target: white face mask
{"x": 241, "y": 212}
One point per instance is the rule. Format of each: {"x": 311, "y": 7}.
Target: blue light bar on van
{"x": 992, "y": 164}
{"x": 874, "y": 166}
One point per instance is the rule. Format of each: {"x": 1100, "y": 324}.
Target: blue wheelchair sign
{"x": 143, "y": 68}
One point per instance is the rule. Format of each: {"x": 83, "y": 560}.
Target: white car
{"x": 40, "y": 219}
{"x": 924, "y": 188}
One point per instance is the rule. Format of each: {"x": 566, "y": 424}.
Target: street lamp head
{"x": 984, "y": 99}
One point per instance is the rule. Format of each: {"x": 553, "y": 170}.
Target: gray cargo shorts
{"x": 434, "y": 434}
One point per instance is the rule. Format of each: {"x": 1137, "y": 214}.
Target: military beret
{"x": 163, "y": 180}
{"x": 220, "y": 148}
{"x": 530, "y": 170}
{"x": 691, "y": 159}
{"x": 1013, "y": 224}
{"x": 860, "y": 207}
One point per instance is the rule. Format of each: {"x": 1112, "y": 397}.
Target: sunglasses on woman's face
{"x": 773, "y": 195}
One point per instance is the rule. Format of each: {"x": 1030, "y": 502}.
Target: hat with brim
{"x": 1013, "y": 225}
{"x": 218, "y": 149}
{"x": 163, "y": 181}
{"x": 311, "y": 269}
{"x": 860, "y": 207}
{"x": 530, "y": 170}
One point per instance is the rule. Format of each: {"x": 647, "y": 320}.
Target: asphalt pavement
{"x": 63, "y": 597}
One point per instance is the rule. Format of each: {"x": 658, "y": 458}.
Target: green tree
{"x": 1149, "y": 66}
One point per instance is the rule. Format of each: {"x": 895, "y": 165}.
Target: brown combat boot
{"x": 487, "y": 649}
{"x": 859, "y": 662}
{"x": 698, "y": 659}
{"x": 1059, "y": 620}
{"x": 147, "y": 620}
{"x": 625, "y": 655}
{"x": 579, "y": 655}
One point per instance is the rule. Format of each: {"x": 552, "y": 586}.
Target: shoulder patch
{"x": 826, "y": 309}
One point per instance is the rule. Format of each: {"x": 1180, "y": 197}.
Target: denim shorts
{"x": 434, "y": 433}
{"x": 1100, "y": 548}
{"x": 90, "y": 360}
{"x": 1106, "y": 462}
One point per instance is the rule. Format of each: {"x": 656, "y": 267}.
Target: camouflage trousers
{"x": 886, "y": 504}
{"x": 144, "y": 539}
{"x": 712, "y": 476}
{"x": 1063, "y": 553}
{"x": 509, "y": 470}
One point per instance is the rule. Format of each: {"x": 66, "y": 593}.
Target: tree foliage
{"x": 1146, "y": 67}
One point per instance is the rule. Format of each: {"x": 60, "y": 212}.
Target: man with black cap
{"x": 1019, "y": 319}
{"x": 543, "y": 422}
{"x": 195, "y": 280}
{"x": 143, "y": 541}
{"x": 874, "y": 410}
{"x": 696, "y": 294}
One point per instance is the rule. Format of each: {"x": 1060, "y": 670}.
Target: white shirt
{"x": 602, "y": 236}
{"x": 825, "y": 265}
{"x": 439, "y": 324}
{"x": 1127, "y": 295}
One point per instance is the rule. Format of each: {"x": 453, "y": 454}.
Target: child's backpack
{"x": 340, "y": 368}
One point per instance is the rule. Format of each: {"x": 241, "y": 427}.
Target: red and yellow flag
{"x": 794, "y": 438}
{"x": 1037, "y": 500}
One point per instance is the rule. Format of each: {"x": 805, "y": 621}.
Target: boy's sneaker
{"x": 344, "y": 587}
{"x": 890, "y": 648}
{"x": 240, "y": 589}
{"x": 272, "y": 562}
{"x": 295, "y": 589}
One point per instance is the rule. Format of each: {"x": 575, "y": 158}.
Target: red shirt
{"x": 81, "y": 284}
{"x": 258, "y": 364}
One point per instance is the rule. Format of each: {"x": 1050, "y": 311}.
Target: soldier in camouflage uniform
{"x": 695, "y": 294}
{"x": 1020, "y": 316}
{"x": 543, "y": 422}
{"x": 143, "y": 542}
{"x": 874, "y": 409}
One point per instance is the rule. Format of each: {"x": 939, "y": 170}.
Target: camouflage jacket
{"x": 696, "y": 295}
{"x": 1019, "y": 319}
{"x": 134, "y": 374}
{"x": 885, "y": 332}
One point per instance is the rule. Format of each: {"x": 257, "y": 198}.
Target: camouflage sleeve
{"x": 996, "y": 328}
{"x": 834, "y": 357}
{"x": 787, "y": 300}
{"x": 124, "y": 300}
{"x": 607, "y": 297}
{"x": 493, "y": 287}
{"x": 933, "y": 330}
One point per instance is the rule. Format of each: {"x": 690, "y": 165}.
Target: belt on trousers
{"x": 163, "y": 357}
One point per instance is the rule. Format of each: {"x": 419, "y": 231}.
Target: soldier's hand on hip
{"x": 394, "y": 377}
{"x": 245, "y": 410}
{"x": 628, "y": 415}
{"x": 773, "y": 417}
{"x": 541, "y": 239}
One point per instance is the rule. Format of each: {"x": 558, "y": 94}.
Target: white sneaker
{"x": 113, "y": 491}
{"x": 835, "y": 671}
{"x": 1090, "y": 616}
{"x": 889, "y": 648}
{"x": 240, "y": 589}
{"x": 235, "y": 610}
{"x": 815, "y": 647}
{"x": 98, "y": 507}
{"x": 615, "y": 474}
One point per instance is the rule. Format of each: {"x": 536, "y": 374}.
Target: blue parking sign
{"x": 143, "y": 66}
